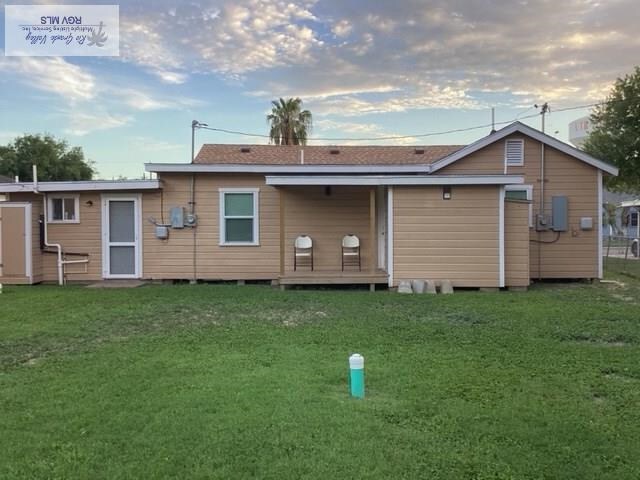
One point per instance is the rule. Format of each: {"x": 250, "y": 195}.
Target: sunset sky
{"x": 364, "y": 69}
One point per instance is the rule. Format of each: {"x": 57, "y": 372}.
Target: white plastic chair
{"x": 302, "y": 247}
{"x": 350, "y": 250}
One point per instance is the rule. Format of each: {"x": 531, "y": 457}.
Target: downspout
{"x": 192, "y": 210}
{"x": 192, "y": 203}
{"x": 57, "y": 246}
{"x": 541, "y": 209}
{"x": 543, "y": 112}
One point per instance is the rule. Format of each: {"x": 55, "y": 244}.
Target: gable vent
{"x": 419, "y": 151}
{"x": 514, "y": 152}
{"x": 245, "y": 150}
{"x": 334, "y": 151}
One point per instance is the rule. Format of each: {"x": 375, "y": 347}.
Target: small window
{"x": 521, "y": 192}
{"x": 514, "y": 153}
{"x": 516, "y": 194}
{"x": 239, "y": 217}
{"x": 64, "y": 209}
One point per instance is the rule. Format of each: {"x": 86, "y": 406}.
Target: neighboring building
{"x": 513, "y": 206}
{"x": 4, "y": 179}
{"x": 627, "y": 215}
{"x": 579, "y": 130}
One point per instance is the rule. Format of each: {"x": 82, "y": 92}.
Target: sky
{"x": 363, "y": 68}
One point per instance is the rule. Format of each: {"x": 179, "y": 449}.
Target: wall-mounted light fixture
{"x": 327, "y": 191}
{"x": 89, "y": 203}
{"x": 446, "y": 193}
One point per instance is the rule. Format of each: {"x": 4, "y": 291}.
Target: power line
{"x": 401, "y": 137}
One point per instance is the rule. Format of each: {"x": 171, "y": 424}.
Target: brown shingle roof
{"x": 322, "y": 155}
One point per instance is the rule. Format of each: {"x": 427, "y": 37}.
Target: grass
{"x": 629, "y": 267}
{"x": 249, "y": 382}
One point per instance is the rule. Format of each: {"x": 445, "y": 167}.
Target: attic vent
{"x": 514, "y": 152}
{"x": 334, "y": 151}
{"x": 419, "y": 151}
{"x": 245, "y": 149}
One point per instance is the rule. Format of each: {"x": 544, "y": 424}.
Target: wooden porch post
{"x": 282, "y": 230}
{"x": 372, "y": 230}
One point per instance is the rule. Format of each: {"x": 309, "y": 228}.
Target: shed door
{"x": 15, "y": 246}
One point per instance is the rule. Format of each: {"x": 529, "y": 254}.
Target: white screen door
{"x": 121, "y": 237}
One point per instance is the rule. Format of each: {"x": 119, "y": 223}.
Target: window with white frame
{"x": 521, "y": 192}
{"x": 514, "y": 152}
{"x": 239, "y": 216}
{"x": 64, "y": 208}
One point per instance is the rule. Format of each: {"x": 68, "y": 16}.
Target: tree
{"x": 616, "y": 132}
{"x": 609, "y": 217}
{"x": 54, "y": 158}
{"x": 289, "y": 124}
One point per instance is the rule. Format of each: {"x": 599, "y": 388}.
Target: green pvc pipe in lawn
{"x": 356, "y": 375}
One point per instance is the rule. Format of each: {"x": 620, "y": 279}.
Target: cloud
{"x": 351, "y": 131}
{"x": 342, "y": 28}
{"x": 148, "y": 144}
{"x": 82, "y": 123}
{"x": 54, "y": 75}
{"x": 458, "y": 54}
{"x": 140, "y": 100}
{"x": 382, "y": 57}
{"x": 231, "y": 39}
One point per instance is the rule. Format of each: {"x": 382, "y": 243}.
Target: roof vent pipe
{"x": 301, "y": 156}
{"x": 35, "y": 177}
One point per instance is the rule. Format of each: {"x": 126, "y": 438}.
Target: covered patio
{"x": 327, "y": 213}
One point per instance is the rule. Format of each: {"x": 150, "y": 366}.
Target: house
{"x": 513, "y": 206}
{"x": 3, "y": 179}
{"x": 622, "y": 215}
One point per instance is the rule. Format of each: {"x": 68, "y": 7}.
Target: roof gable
{"x": 528, "y": 131}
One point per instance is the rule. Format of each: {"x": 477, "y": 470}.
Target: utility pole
{"x": 493, "y": 120}
{"x": 544, "y": 109}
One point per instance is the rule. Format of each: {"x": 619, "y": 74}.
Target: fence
{"x": 621, "y": 255}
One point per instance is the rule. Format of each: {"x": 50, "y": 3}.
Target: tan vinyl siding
{"x": 516, "y": 243}
{"x": 173, "y": 258}
{"x": 12, "y": 242}
{"x": 82, "y": 237}
{"x": 36, "y": 254}
{"x": 575, "y": 254}
{"x": 326, "y": 219}
{"x": 487, "y": 160}
{"x": 455, "y": 239}
{"x": 36, "y": 210}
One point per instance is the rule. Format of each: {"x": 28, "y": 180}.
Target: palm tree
{"x": 289, "y": 124}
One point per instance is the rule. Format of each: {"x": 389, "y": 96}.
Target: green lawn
{"x": 219, "y": 381}
{"x": 629, "y": 266}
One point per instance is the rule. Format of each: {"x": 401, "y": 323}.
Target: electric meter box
{"x": 177, "y": 217}
{"x": 559, "y": 213}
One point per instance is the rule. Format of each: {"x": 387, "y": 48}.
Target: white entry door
{"x": 121, "y": 253}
